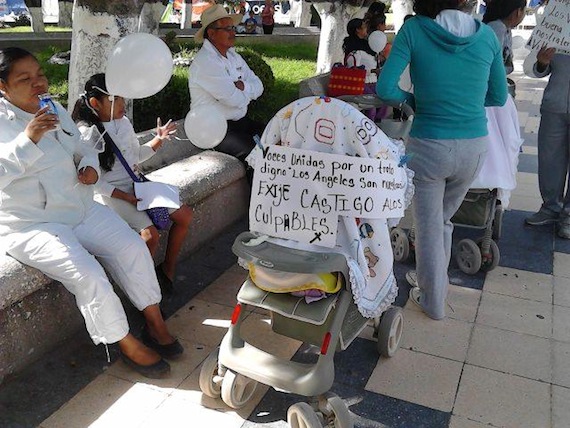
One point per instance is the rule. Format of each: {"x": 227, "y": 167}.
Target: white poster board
{"x": 553, "y": 30}
{"x": 299, "y": 194}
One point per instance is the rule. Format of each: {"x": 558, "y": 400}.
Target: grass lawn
{"x": 290, "y": 64}
{"x": 28, "y": 29}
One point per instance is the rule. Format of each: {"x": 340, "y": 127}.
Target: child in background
{"x": 115, "y": 186}
{"x": 357, "y": 53}
{"x": 250, "y": 23}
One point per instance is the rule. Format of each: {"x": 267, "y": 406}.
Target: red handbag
{"x": 346, "y": 81}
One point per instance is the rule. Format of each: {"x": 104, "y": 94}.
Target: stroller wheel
{"x": 302, "y": 415}
{"x": 400, "y": 244}
{"x": 498, "y": 223}
{"x": 237, "y": 389}
{"x": 390, "y": 331}
{"x": 468, "y": 256}
{"x": 210, "y": 380}
{"x": 335, "y": 411}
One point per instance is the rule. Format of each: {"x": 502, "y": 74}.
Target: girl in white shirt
{"x": 115, "y": 188}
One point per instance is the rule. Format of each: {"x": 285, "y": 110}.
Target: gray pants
{"x": 553, "y": 162}
{"x": 444, "y": 170}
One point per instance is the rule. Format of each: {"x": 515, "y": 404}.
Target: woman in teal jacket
{"x": 456, "y": 67}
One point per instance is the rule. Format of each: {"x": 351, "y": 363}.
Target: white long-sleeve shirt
{"x": 358, "y": 58}
{"x": 211, "y": 81}
{"x": 38, "y": 182}
{"x": 123, "y": 135}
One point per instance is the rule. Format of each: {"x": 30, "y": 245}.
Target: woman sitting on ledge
{"x": 49, "y": 221}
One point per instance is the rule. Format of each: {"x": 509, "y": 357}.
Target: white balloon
{"x": 139, "y": 66}
{"x": 205, "y": 126}
{"x": 377, "y": 41}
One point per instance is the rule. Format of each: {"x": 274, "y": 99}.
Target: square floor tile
{"x": 562, "y": 265}
{"x": 561, "y": 324}
{"x": 561, "y": 364}
{"x": 561, "y": 291}
{"x": 418, "y": 378}
{"x": 502, "y": 400}
{"x": 176, "y": 412}
{"x": 525, "y": 203}
{"x": 92, "y": 402}
{"x": 519, "y": 315}
{"x": 560, "y": 408}
{"x": 519, "y": 283}
{"x": 462, "y": 303}
{"x": 510, "y": 352}
{"x": 461, "y": 422}
{"x": 180, "y": 369}
{"x": 224, "y": 290}
{"x": 447, "y": 338}
{"x": 201, "y": 322}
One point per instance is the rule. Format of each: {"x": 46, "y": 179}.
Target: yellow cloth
{"x": 288, "y": 282}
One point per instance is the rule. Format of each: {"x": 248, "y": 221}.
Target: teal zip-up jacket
{"x": 454, "y": 78}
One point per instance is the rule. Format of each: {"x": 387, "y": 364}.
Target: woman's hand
{"x": 544, "y": 56}
{"x": 87, "y": 175}
{"x": 40, "y": 124}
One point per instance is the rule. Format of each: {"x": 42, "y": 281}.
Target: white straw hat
{"x": 212, "y": 14}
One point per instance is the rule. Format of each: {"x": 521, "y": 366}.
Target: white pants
{"x": 67, "y": 254}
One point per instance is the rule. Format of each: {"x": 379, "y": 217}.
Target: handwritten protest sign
{"x": 299, "y": 194}
{"x": 554, "y": 28}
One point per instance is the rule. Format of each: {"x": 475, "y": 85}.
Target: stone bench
{"x": 36, "y": 313}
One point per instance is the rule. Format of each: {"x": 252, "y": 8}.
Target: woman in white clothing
{"x": 48, "y": 218}
{"x": 115, "y": 187}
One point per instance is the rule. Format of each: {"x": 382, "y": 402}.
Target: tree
{"x": 97, "y": 27}
{"x": 150, "y": 16}
{"x": 334, "y": 18}
{"x": 301, "y": 10}
{"x": 65, "y": 13}
{"x": 36, "y": 15}
{"x": 186, "y": 21}
{"x": 401, "y": 8}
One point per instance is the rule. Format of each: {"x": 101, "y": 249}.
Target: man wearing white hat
{"x": 220, "y": 76}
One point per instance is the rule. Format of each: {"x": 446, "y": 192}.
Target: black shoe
{"x": 166, "y": 286}
{"x": 171, "y": 351}
{"x": 158, "y": 370}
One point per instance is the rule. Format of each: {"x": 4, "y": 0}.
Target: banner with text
{"x": 299, "y": 194}
{"x": 554, "y": 28}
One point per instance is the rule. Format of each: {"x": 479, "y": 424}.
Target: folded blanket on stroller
{"x": 332, "y": 126}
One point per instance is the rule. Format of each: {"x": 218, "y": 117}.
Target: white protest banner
{"x": 554, "y": 28}
{"x": 299, "y": 194}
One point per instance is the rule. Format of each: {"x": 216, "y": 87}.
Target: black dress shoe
{"x": 166, "y": 286}
{"x": 158, "y": 370}
{"x": 171, "y": 351}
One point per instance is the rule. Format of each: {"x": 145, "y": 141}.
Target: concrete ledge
{"x": 37, "y": 313}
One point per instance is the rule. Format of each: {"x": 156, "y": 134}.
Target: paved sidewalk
{"x": 501, "y": 358}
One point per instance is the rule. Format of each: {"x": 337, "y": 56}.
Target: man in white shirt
{"x": 220, "y": 76}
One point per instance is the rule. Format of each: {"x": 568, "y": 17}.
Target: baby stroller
{"x": 330, "y": 324}
{"x": 484, "y": 204}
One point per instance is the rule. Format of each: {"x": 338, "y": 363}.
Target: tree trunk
{"x": 303, "y": 18}
{"x": 65, "y": 13}
{"x": 97, "y": 27}
{"x": 334, "y": 18}
{"x": 186, "y": 21}
{"x": 150, "y": 16}
{"x": 401, "y": 8}
{"x": 37, "y": 18}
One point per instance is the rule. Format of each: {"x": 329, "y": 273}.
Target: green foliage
{"x": 280, "y": 68}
